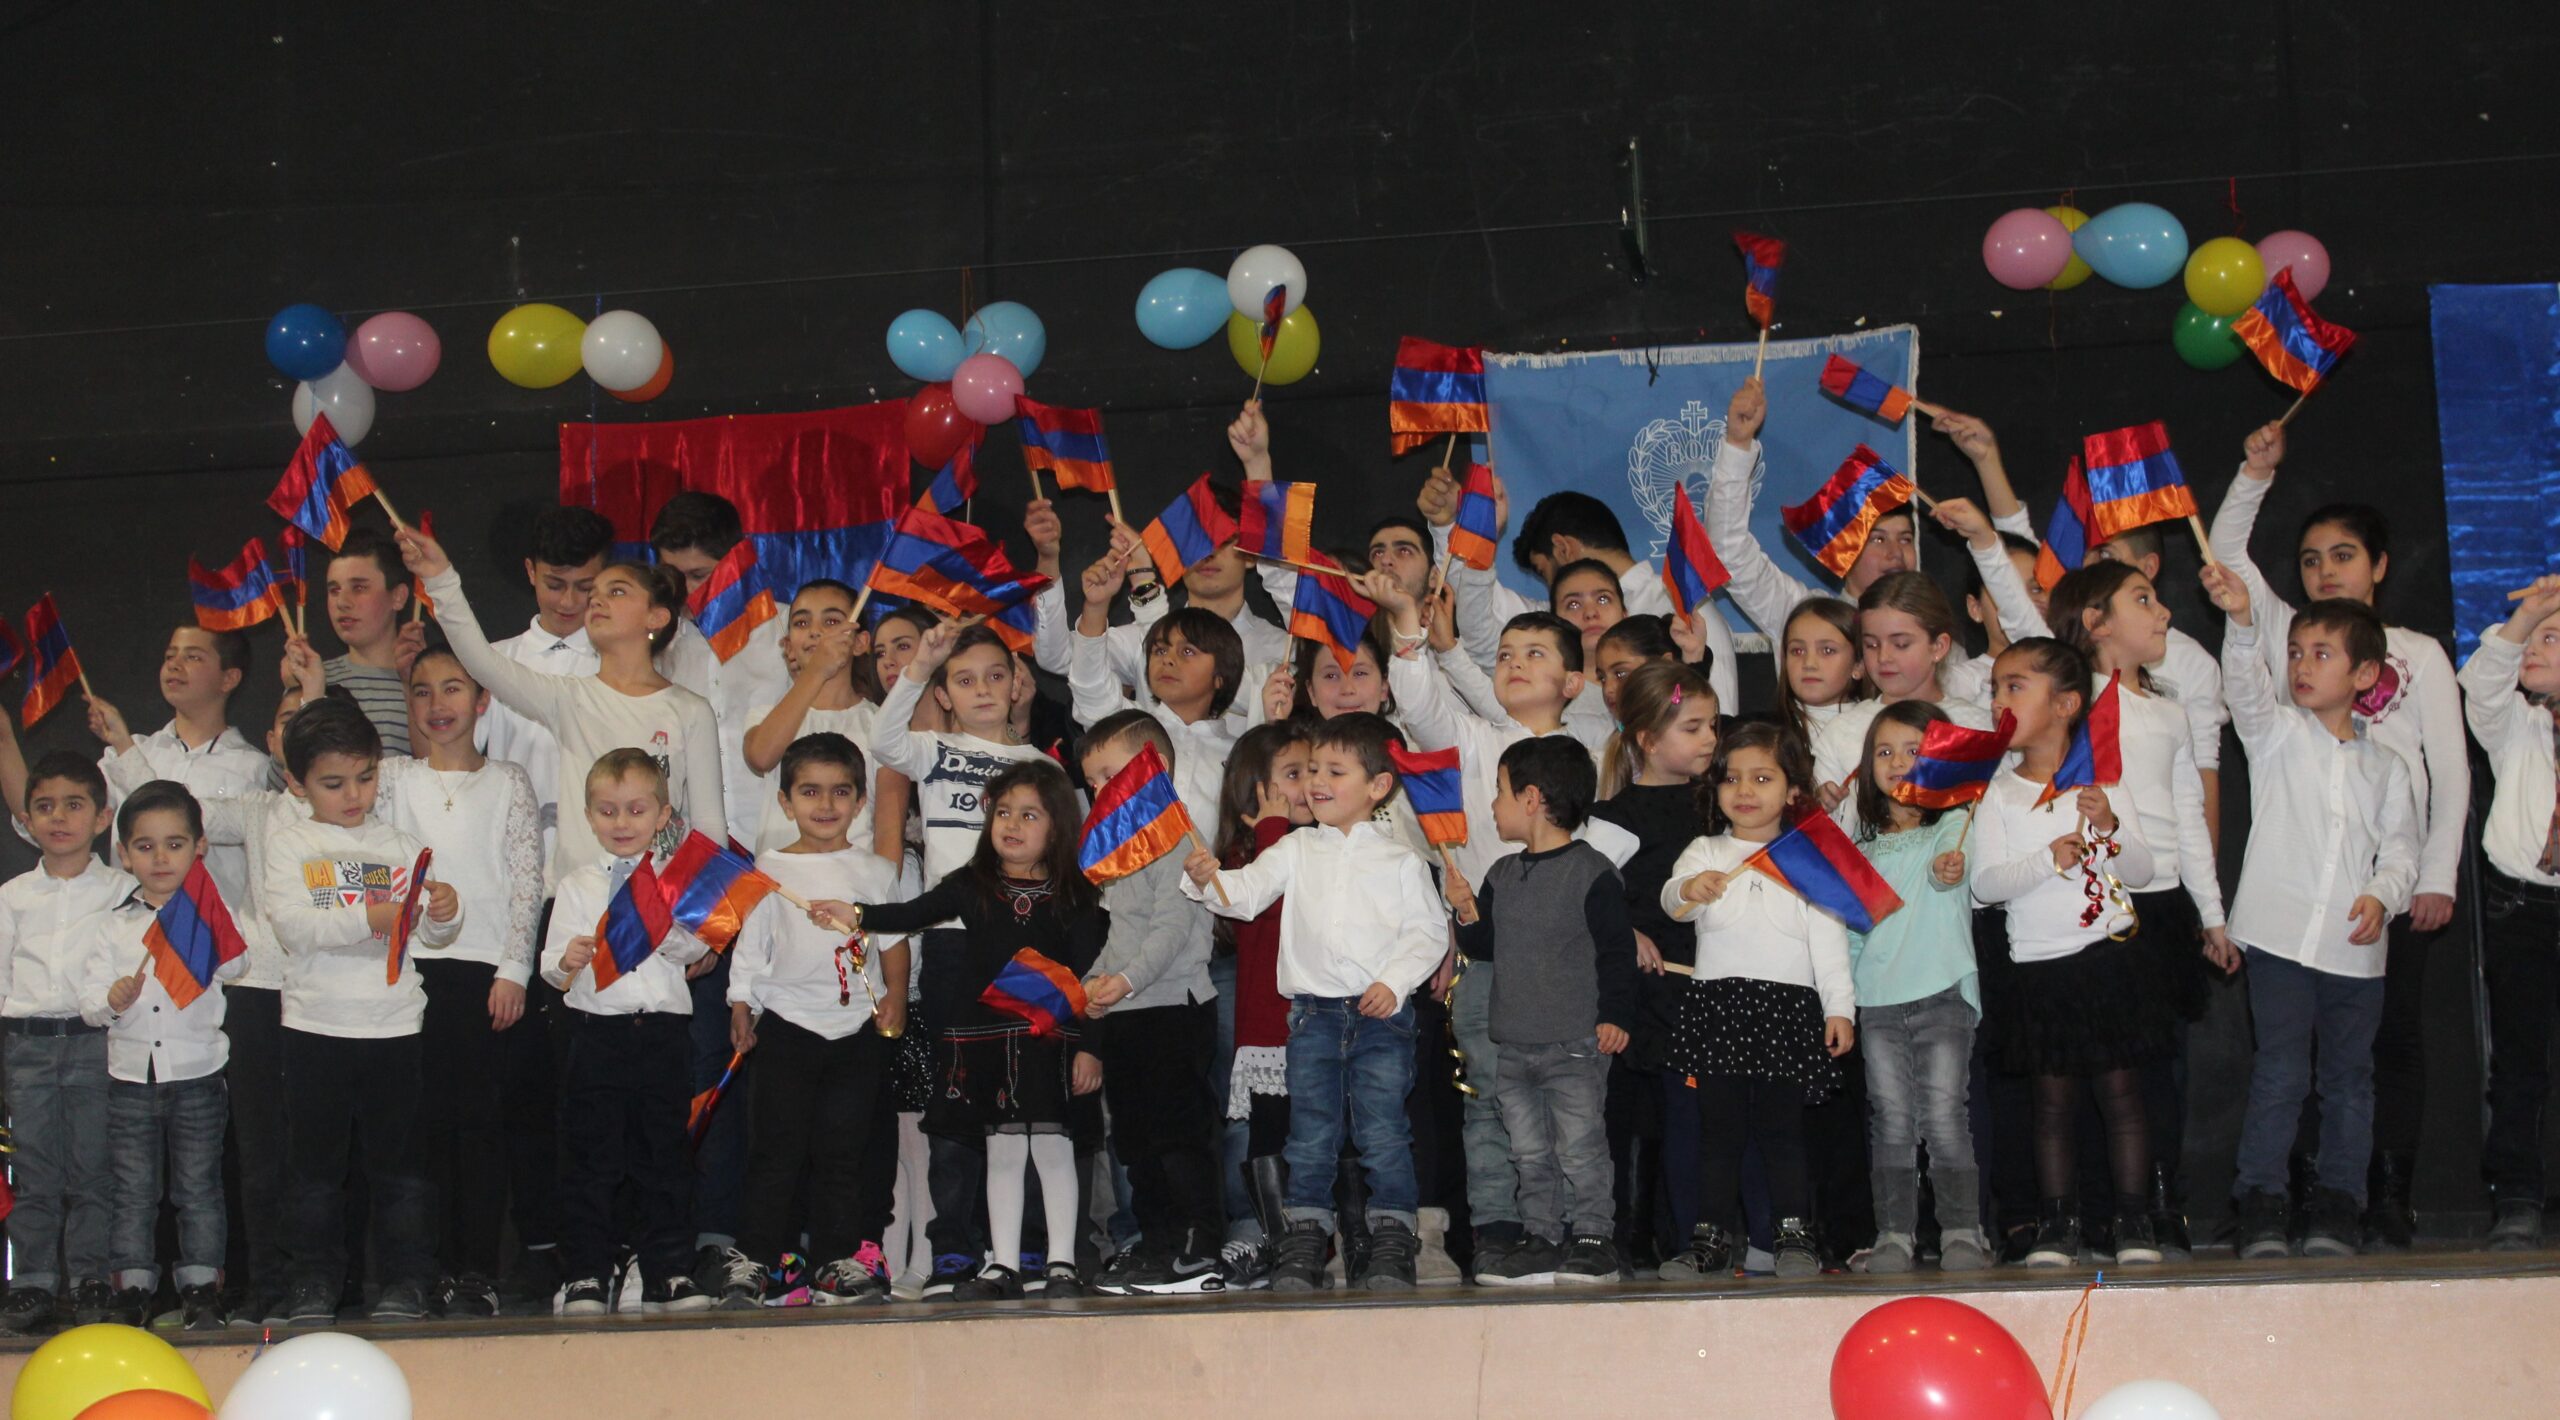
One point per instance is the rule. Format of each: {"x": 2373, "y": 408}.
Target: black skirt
{"x": 2176, "y": 933}
{"x": 2099, "y": 1009}
{"x": 911, "y": 1070}
{"x": 1770, "y": 1030}
{"x": 990, "y": 1079}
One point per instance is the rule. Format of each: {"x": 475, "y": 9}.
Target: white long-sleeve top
{"x": 45, "y": 925}
{"x": 1200, "y": 748}
{"x": 773, "y": 827}
{"x": 2330, "y": 821}
{"x": 225, "y": 769}
{"x": 1758, "y": 929}
{"x": 1764, "y": 592}
{"x": 2518, "y": 736}
{"x": 504, "y": 734}
{"x": 153, "y": 1040}
{"x": 2167, "y": 793}
{"x": 487, "y": 835}
{"x": 786, "y": 964}
{"x": 577, "y": 908}
{"x": 319, "y": 880}
{"x": 1356, "y": 909}
{"x": 754, "y": 676}
{"x": 950, "y": 770}
{"x": 243, "y": 820}
{"x": 1434, "y": 719}
{"x": 2421, "y": 722}
{"x": 2012, "y": 858}
{"x": 1125, "y": 646}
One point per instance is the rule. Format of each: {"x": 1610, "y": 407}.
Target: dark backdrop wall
{"x": 770, "y": 184}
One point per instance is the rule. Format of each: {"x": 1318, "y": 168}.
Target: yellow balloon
{"x": 536, "y": 345}
{"x": 87, "y": 1364}
{"x": 1292, "y": 355}
{"x": 2071, "y": 218}
{"x": 2225, "y": 276}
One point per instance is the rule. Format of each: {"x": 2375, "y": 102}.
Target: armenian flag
{"x": 321, "y": 484}
{"x": 1817, "y": 862}
{"x": 1136, "y": 819}
{"x": 951, "y": 565}
{"x": 1432, "y": 785}
{"x": 408, "y": 923}
{"x": 2134, "y": 480}
{"x": 192, "y": 938}
{"x": 733, "y": 601}
{"x": 287, "y": 571}
{"x": 1279, "y": 520}
{"x": 709, "y": 890}
{"x": 12, "y": 649}
{"x": 2066, "y": 536}
{"x": 1849, "y": 383}
{"x": 635, "y": 922}
{"x": 56, "y": 667}
{"x": 1067, "y": 442}
{"x": 1189, "y": 529}
{"x": 2096, "y": 755}
{"x": 1479, "y": 520}
{"x": 955, "y": 484}
{"x": 1835, "y": 522}
{"x": 1275, "y": 305}
{"x": 1037, "y": 989}
{"x": 1955, "y": 764}
{"x": 1690, "y": 567}
{"x": 1435, "y": 390}
{"x": 2288, "y": 338}
{"x": 237, "y": 597}
{"x": 1325, "y": 609}
{"x": 1761, "y": 258}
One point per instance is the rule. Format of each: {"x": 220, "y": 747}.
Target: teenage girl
{"x": 1819, "y": 676}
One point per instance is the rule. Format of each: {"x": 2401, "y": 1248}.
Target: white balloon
{"x": 347, "y": 399}
{"x": 2152, "y": 1400}
{"x": 621, "y": 350}
{"x": 324, "y": 1376}
{"x": 1257, "y": 270}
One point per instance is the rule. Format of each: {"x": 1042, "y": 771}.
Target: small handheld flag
{"x": 237, "y": 597}
{"x": 955, "y": 484}
{"x": 1189, "y": 529}
{"x": 635, "y": 922}
{"x": 321, "y": 484}
{"x": 1836, "y": 521}
{"x": 1690, "y": 567}
{"x": 1817, "y": 862}
{"x": 733, "y": 601}
{"x": 2066, "y": 536}
{"x": 192, "y": 938}
{"x": 1479, "y": 520}
{"x": 1066, "y": 442}
{"x": 2289, "y": 339}
{"x": 410, "y": 905}
{"x": 2134, "y": 480}
{"x": 1136, "y": 819}
{"x": 1761, "y": 258}
{"x": 709, "y": 890}
{"x": 1432, "y": 785}
{"x": 1324, "y": 608}
{"x": 1278, "y": 520}
{"x": 951, "y": 565}
{"x": 12, "y": 649}
{"x": 55, "y": 667}
{"x": 1275, "y": 306}
{"x": 1955, "y": 764}
{"x": 2095, "y": 757}
{"x": 1435, "y": 390}
{"x": 1850, "y": 384}
{"x": 1037, "y": 989}
{"x": 286, "y": 572}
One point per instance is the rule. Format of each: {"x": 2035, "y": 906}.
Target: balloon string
{"x": 2066, "y": 1367}
{"x": 2231, "y": 197}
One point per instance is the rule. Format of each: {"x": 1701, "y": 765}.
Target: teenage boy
{"x": 820, "y": 647}
{"x": 1765, "y": 592}
{"x": 570, "y": 548}
{"x": 368, "y": 593}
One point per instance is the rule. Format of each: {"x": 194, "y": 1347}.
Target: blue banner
{"x": 2498, "y": 407}
{"x": 1630, "y": 426}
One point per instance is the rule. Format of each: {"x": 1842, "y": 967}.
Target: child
{"x": 167, "y": 1101}
{"x": 1819, "y": 675}
{"x": 54, "y": 1053}
{"x": 821, "y": 648}
{"x": 1765, "y": 593}
{"x": 1194, "y": 666}
{"x": 1906, "y": 630}
{"x": 1360, "y": 930}
{"x": 817, "y": 1128}
{"x": 997, "y": 1078}
{"x": 692, "y": 533}
{"x": 570, "y": 548}
{"x": 626, "y": 1086}
{"x": 1555, "y": 916}
{"x": 2082, "y": 1003}
{"x": 334, "y": 890}
{"x": 1770, "y": 1008}
{"x": 366, "y": 597}
{"x": 1263, "y": 800}
{"x": 2514, "y": 707}
{"x": 1919, "y": 1000}
{"x": 1641, "y": 640}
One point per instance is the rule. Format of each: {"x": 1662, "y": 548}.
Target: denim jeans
{"x": 2293, "y": 1006}
{"x": 1233, "y": 1134}
{"x": 2520, "y": 956}
{"x": 1919, "y": 1055}
{"x": 181, "y": 1121}
{"x": 1344, "y": 1063}
{"x": 1552, "y": 1099}
{"x": 1493, "y": 1188}
{"x": 58, "y": 1123}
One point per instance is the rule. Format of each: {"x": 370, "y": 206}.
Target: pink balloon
{"x": 2303, "y": 254}
{"x": 394, "y": 351}
{"x": 2026, "y": 248}
{"x": 985, "y": 386}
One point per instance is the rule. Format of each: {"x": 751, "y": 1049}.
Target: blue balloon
{"x": 305, "y": 341}
{"x": 1009, "y": 329}
{"x": 1180, "y": 308}
{"x": 925, "y": 345}
{"x": 2133, "y": 244}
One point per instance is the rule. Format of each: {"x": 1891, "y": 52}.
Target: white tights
{"x": 1055, "y": 1156}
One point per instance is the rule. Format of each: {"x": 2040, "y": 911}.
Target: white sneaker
{"x": 629, "y": 1296}
{"x": 1434, "y": 1267}
{"x": 908, "y": 1286}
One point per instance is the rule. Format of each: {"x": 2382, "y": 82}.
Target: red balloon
{"x": 657, "y": 383}
{"x": 1929, "y": 1357}
{"x": 936, "y": 428}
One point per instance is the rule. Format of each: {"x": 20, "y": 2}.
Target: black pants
{"x": 2520, "y": 956}
{"x": 1844, "y": 1198}
{"x": 720, "y": 1160}
{"x": 2400, "y": 1045}
{"x": 622, "y": 1108}
{"x": 462, "y": 1123}
{"x": 1165, "y": 1120}
{"x": 255, "y": 1166}
{"x": 356, "y": 1098}
{"x": 818, "y": 1115}
{"x": 530, "y": 1060}
{"x": 1735, "y": 1110}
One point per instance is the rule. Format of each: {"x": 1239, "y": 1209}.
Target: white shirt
{"x": 754, "y": 676}
{"x": 950, "y": 771}
{"x": 1483, "y": 605}
{"x": 1434, "y": 720}
{"x": 153, "y": 1040}
{"x": 319, "y": 880}
{"x": 45, "y": 925}
{"x": 774, "y": 828}
{"x": 1265, "y": 645}
{"x": 2330, "y": 821}
{"x": 2518, "y": 736}
{"x": 1200, "y": 748}
{"x": 1765, "y": 593}
{"x": 786, "y": 964}
{"x": 1356, "y": 909}
{"x": 487, "y": 838}
{"x": 2012, "y": 859}
{"x": 506, "y": 735}
{"x": 2167, "y": 794}
{"x": 1759, "y": 929}
{"x": 577, "y": 909}
{"x": 224, "y": 768}
{"x": 1840, "y": 742}
{"x": 251, "y": 820}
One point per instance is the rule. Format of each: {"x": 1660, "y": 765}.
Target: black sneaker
{"x": 1530, "y": 1262}
{"x": 950, "y": 1269}
{"x": 995, "y": 1282}
{"x": 400, "y": 1301}
{"x": 2169, "y": 1231}
{"x": 847, "y": 1282}
{"x": 27, "y": 1310}
{"x": 2518, "y": 1226}
{"x": 1061, "y": 1281}
{"x": 2135, "y": 1243}
{"x": 1796, "y": 1254}
{"x": 679, "y": 1293}
{"x": 584, "y": 1296}
{"x": 2335, "y": 1224}
{"x": 92, "y": 1302}
{"x": 1393, "y": 1252}
{"x": 130, "y": 1307}
{"x": 469, "y": 1297}
{"x": 2261, "y": 1230}
{"x": 311, "y": 1304}
{"x": 741, "y": 1282}
{"x": 1709, "y": 1255}
{"x": 1590, "y": 1259}
{"x": 257, "y": 1307}
{"x": 1297, "y": 1263}
{"x": 1154, "y": 1271}
{"x": 1244, "y": 1265}
{"x": 2058, "y": 1239}
{"x": 2016, "y": 1241}
{"x": 200, "y": 1307}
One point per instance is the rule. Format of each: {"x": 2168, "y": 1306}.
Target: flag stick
{"x": 1448, "y": 453}
{"x": 1197, "y": 842}
{"x": 2204, "y": 544}
{"x": 1257, "y": 376}
{"x": 1113, "y": 493}
{"x": 1969, "y": 809}
{"x": 379, "y": 497}
{"x": 1447, "y": 857}
{"x": 1678, "y": 970}
{"x": 1036, "y": 494}
{"x": 2296, "y": 409}
{"x": 85, "y": 692}
{"x": 1926, "y": 502}
{"x": 417, "y": 607}
{"x": 1763, "y": 357}
{"x": 859, "y": 602}
{"x": 2519, "y": 594}
{"x": 1307, "y": 567}
{"x": 146, "y": 962}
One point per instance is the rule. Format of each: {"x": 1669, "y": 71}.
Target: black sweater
{"x": 1664, "y": 819}
{"x": 991, "y": 935}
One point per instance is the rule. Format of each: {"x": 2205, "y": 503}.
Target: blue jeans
{"x": 182, "y": 1122}
{"x": 58, "y": 1121}
{"x": 1919, "y": 1055}
{"x": 1343, "y": 1063}
{"x": 1493, "y": 1186}
{"x": 2294, "y": 1006}
{"x": 1552, "y": 1098}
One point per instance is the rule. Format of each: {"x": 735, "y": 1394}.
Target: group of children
{"x": 1666, "y": 1059}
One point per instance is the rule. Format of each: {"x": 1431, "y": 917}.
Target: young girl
{"x": 1320, "y": 685}
{"x": 1918, "y": 1004}
{"x": 1770, "y": 1009}
{"x": 1818, "y": 674}
{"x": 895, "y": 634}
{"x": 1643, "y": 639}
{"x": 1263, "y": 799}
{"x": 1906, "y": 630}
{"x": 2082, "y": 1003}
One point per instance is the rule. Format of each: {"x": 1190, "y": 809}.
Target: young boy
{"x": 335, "y": 890}
{"x": 821, "y": 1011}
{"x": 367, "y": 591}
{"x": 1157, "y": 1023}
{"x": 570, "y": 548}
{"x": 1360, "y": 931}
{"x": 1194, "y": 667}
{"x": 2512, "y": 699}
{"x": 628, "y": 1080}
{"x": 1555, "y": 916}
{"x": 821, "y": 646}
{"x": 53, "y": 1051}
{"x": 168, "y": 1099}
{"x": 2332, "y": 857}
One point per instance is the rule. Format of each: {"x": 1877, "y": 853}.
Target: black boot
{"x": 2390, "y": 1224}
{"x": 2168, "y": 1220}
{"x": 1351, "y": 1217}
{"x": 1266, "y": 1181}
{"x": 1637, "y": 1245}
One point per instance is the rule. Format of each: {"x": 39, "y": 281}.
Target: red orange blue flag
{"x": 1955, "y": 764}
{"x": 952, "y": 566}
{"x": 733, "y": 601}
{"x": 1325, "y": 609}
{"x": 1479, "y": 520}
{"x": 2292, "y": 341}
{"x": 1435, "y": 390}
{"x": 2134, "y": 480}
{"x": 1037, "y": 989}
{"x": 55, "y": 667}
{"x": 1816, "y": 861}
{"x": 2066, "y": 535}
{"x": 1066, "y": 442}
{"x": 1275, "y": 306}
{"x": 321, "y": 484}
{"x": 955, "y": 484}
{"x": 239, "y": 595}
{"x": 710, "y": 890}
{"x": 1835, "y": 522}
{"x": 411, "y": 902}
{"x": 1189, "y": 529}
{"x": 2095, "y": 757}
{"x": 1432, "y": 785}
{"x": 1849, "y": 383}
{"x": 1761, "y": 258}
{"x": 12, "y": 649}
{"x": 191, "y": 938}
{"x": 1136, "y": 819}
{"x": 1690, "y": 567}
{"x": 635, "y": 921}
{"x": 1278, "y": 520}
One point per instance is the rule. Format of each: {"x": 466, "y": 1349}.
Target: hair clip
{"x": 1676, "y": 692}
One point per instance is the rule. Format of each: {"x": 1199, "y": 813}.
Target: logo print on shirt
{"x": 335, "y": 882}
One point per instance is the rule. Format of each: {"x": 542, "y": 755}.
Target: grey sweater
{"x": 1159, "y": 938}
{"x": 1557, "y": 923}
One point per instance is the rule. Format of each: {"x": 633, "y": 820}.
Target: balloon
{"x": 657, "y": 383}
{"x": 326, "y": 1375}
{"x": 536, "y": 346}
{"x": 2204, "y": 339}
{"x": 1180, "y": 308}
{"x": 924, "y": 345}
{"x": 347, "y": 400}
{"x": 2133, "y": 244}
{"x": 1292, "y": 355}
{"x": 87, "y": 1364}
{"x": 2151, "y": 1400}
{"x": 2076, "y": 271}
{"x": 305, "y": 341}
{"x": 146, "y": 1405}
{"x": 935, "y": 426}
{"x": 1256, "y": 271}
{"x": 2026, "y": 248}
{"x": 621, "y": 350}
{"x": 1009, "y": 329}
{"x": 2301, "y": 253}
{"x": 1928, "y": 1356}
{"x": 985, "y": 387}
{"x": 394, "y": 351}
{"x": 2225, "y": 276}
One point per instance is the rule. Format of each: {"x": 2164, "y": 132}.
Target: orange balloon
{"x": 657, "y": 383}
{"x": 145, "y": 1405}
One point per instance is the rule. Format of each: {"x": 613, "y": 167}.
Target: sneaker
{"x": 1393, "y": 1251}
{"x": 1530, "y": 1262}
{"x": 1589, "y": 1259}
{"x": 995, "y": 1282}
{"x": 200, "y": 1307}
{"x": 786, "y": 1283}
{"x": 1893, "y": 1253}
{"x": 1434, "y": 1267}
{"x": 130, "y": 1307}
{"x": 870, "y": 1258}
{"x": 468, "y": 1296}
{"x": 2335, "y": 1226}
{"x": 27, "y": 1310}
{"x": 1297, "y": 1264}
{"x": 1061, "y": 1281}
{"x": 92, "y": 1302}
{"x": 1796, "y": 1255}
{"x": 258, "y": 1308}
{"x": 1153, "y": 1271}
{"x": 583, "y": 1296}
{"x": 400, "y": 1301}
{"x": 2518, "y": 1227}
{"x": 1244, "y": 1265}
{"x": 2016, "y": 1241}
{"x": 741, "y": 1283}
{"x": 950, "y": 1269}
{"x": 846, "y": 1282}
{"x": 679, "y": 1293}
{"x": 2135, "y": 1243}
{"x": 2262, "y": 1226}
{"x": 1964, "y": 1251}
{"x": 1492, "y": 1241}
{"x": 311, "y": 1304}
{"x": 2058, "y": 1240}
{"x": 1709, "y": 1255}
{"x": 908, "y": 1286}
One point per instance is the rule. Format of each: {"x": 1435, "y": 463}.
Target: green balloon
{"x": 2204, "y": 340}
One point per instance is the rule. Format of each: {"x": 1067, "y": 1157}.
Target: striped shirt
{"x": 379, "y": 693}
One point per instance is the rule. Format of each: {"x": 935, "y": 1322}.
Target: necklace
{"x": 1024, "y": 897}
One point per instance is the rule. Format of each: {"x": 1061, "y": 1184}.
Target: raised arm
{"x": 543, "y": 699}
{"x": 524, "y": 877}
{"x": 2234, "y": 522}
{"x": 1765, "y": 593}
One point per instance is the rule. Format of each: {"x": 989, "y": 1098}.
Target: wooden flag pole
{"x": 2296, "y": 409}
{"x": 1036, "y": 494}
{"x": 1113, "y": 493}
{"x": 380, "y": 498}
{"x": 1925, "y": 501}
{"x": 1448, "y": 858}
{"x": 1449, "y": 453}
{"x": 1969, "y": 810}
{"x": 2204, "y": 544}
{"x": 1307, "y": 567}
{"x": 1216, "y": 886}
{"x": 861, "y": 601}
{"x": 1763, "y": 357}
{"x": 1258, "y": 374}
{"x": 1934, "y": 411}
